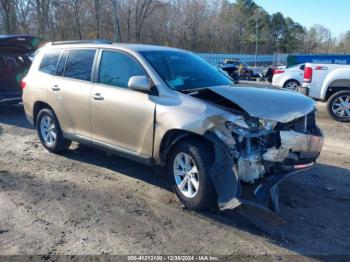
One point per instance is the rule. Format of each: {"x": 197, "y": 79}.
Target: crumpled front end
{"x": 276, "y": 148}
{"x": 266, "y": 152}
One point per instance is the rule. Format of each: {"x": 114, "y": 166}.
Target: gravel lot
{"x": 88, "y": 202}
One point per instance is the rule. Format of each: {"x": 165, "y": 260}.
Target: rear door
{"x": 69, "y": 92}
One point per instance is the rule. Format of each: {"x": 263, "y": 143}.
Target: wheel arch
{"x": 337, "y": 86}
{"x": 337, "y": 80}
{"x": 290, "y": 80}
{"x": 173, "y": 137}
{"x": 39, "y": 105}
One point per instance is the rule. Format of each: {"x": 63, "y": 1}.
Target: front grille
{"x": 305, "y": 124}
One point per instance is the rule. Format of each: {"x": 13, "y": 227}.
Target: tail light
{"x": 278, "y": 71}
{"x": 23, "y": 84}
{"x": 307, "y": 74}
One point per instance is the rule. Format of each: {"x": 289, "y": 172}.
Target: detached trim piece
{"x": 267, "y": 193}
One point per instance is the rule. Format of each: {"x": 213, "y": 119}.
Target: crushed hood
{"x": 273, "y": 104}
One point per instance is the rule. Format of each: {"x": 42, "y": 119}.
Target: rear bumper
{"x": 304, "y": 90}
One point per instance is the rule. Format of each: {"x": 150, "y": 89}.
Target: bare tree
{"x": 198, "y": 25}
{"x": 42, "y": 11}
{"x": 75, "y": 4}
{"x": 116, "y": 36}
{"x": 9, "y": 15}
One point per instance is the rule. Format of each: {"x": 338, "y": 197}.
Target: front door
{"x": 121, "y": 117}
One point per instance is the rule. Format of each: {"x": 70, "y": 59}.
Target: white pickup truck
{"x": 331, "y": 83}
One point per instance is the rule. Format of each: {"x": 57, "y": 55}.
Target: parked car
{"x": 231, "y": 70}
{"x": 15, "y": 52}
{"x": 251, "y": 70}
{"x": 289, "y": 78}
{"x": 165, "y": 106}
{"x": 329, "y": 83}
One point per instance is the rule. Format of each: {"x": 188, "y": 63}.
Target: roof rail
{"x": 97, "y": 41}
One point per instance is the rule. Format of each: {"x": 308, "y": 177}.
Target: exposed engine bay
{"x": 260, "y": 147}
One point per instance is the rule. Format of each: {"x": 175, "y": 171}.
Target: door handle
{"x": 55, "y": 88}
{"x": 98, "y": 96}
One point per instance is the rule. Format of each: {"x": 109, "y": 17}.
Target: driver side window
{"x": 117, "y": 68}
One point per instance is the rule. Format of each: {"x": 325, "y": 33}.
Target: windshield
{"x": 183, "y": 70}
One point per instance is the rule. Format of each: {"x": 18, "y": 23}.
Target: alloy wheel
{"x": 291, "y": 85}
{"x": 48, "y": 130}
{"x": 186, "y": 175}
{"x": 341, "y": 106}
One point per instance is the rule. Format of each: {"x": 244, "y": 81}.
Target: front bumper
{"x": 266, "y": 194}
{"x": 296, "y": 153}
{"x": 296, "y": 149}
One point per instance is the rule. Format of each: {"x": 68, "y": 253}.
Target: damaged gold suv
{"x": 166, "y": 106}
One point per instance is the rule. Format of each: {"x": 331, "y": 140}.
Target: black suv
{"x": 16, "y": 53}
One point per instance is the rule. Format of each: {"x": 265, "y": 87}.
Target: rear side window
{"x": 79, "y": 64}
{"x": 49, "y": 63}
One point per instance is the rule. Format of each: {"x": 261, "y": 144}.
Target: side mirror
{"x": 140, "y": 83}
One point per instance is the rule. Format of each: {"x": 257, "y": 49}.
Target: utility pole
{"x": 256, "y": 37}
{"x": 257, "y": 16}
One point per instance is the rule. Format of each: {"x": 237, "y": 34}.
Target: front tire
{"x": 338, "y": 106}
{"x": 189, "y": 164}
{"x": 50, "y": 133}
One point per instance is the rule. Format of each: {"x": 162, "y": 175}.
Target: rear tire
{"x": 198, "y": 192}
{"x": 50, "y": 133}
{"x": 338, "y": 106}
{"x": 291, "y": 85}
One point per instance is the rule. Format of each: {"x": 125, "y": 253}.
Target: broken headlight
{"x": 267, "y": 124}
{"x": 251, "y": 127}
{"x": 260, "y": 124}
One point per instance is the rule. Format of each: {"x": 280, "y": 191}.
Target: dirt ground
{"x": 88, "y": 202}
